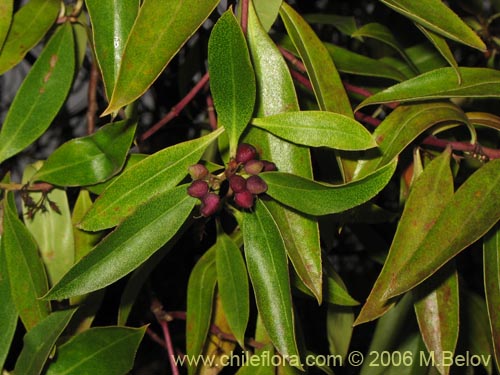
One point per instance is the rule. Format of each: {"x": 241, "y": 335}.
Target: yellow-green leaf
{"x": 6, "y": 8}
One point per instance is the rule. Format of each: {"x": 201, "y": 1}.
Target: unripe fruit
{"x": 256, "y": 185}
{"x": 198, "y": 171}
{"x": 245, "y": 153}
{"x": 198, "y": 189}
{"x": 237, "y": 183}
{"x": 254, "y": 166}
{"x": 209, "y": 204}
{"x": 244, "y": 199}
{"x": 269, "y": 166}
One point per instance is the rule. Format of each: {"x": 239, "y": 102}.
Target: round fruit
{"x": 209, "y": 204}
{"x": 244, "y": 199}
{"x": 198, "y": 189}
{"x": 245, "y": 153}
{"x": 237, "y": 183}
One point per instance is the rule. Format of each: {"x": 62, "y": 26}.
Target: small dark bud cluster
{"x": 242, "y": 175}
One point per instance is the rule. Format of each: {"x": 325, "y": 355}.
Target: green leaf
{"x": 345, "y": 24}
{"x": 6, "y": 8}
{"x": 474, "y": 209}
{"x": 276, "y": 94}
{"x": 160, "y": 30}
{"x": 318, "y": 128}
{"x": 24, "y": 267}
{"x": 268, "y": 269}
{"x": 129, "y": 245}
{"x": 200, "y": 295}
{"x": 100, "y": 350}
{"x": 232, "y": 283}
{"x": 325, "y": 79}
{"x": 491, "y": 273}
{"x": 383, "y": 34}
{"x": 484, "y": 119}
{"x": 28, "y": 27}
{"x": 436, "y": 16}
{"x": 41, "y": 94}
{"x": 437, "y": 310}
{"x": 354, "y": 63}
{"x": 112, "y": 21}
{"x": 232, "y": 80}
{"x": 403, "y": 126}
{"x": 267, "y": 11}
{"x": 339, "y": 321}
{"x": 429, "y": 195}
{"x": 154, "y": 175}
{"x": 315, "y": 198}
{"x": 91, "y": 159}
{"x": 51, "y": 229}
{"x": 441, "y": 83}
{"x": 38, "y": 342}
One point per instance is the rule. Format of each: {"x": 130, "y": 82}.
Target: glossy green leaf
{"x": 315, "y": 198}
{"x": 267, "y": 265}
{"x": 100, "y": 350}
{"x": 154, "y": 175}
{"x": 232, "y": 282}
{"x": 339, "y": 321}
{"x": 354, "y": 63}
{"x": 38, "y": 342}
{"x": 51, "y": 229}
{"x": 232, "y": 80}
{"x": 200, "y": 296}
{"x": 267, "y": 11}
{"x": 491, "y": 273}
{"x": 474, "y": 209}
{"x": 441, "y": 83}
{"x": 160, "y": 30}
{"x": 403, "y": 126}
{"x": 6, "y": 9}
{"x": 129, "y": 245}
{"x": 91, "y": 159}
{"x": 41, "y": 94}
{"x": 437, "y": 310}
{"x": 442, "y": 46}
{"x": 325, "y": 79}
{"x": 383, "y": 34}
{"x": 345, "y": 24}
{"x": 24, "y": 267}
{"x": 429, "y": 195}
{"x": 276, "y": 94}
{"x": 112, "y": 21}
{"x": 29, "y": 25}
{"x": 484, "y": 119}
{"x": 436, "y": 16}
{"x": 318, "y": 128}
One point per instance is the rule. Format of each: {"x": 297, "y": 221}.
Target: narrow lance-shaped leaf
{"x": 436, "y": 16}
{"x": 112, "y": 21}
{"x": 429, "y": 195}
{"x": 100, "y": 350}
{"x": 232, "y": 80}
{"x": 345, "y": 24}
{"x": 6, "y": 8}
{"x": 268, "y": 269}
{"x": 474, "y": 209}
{"x": 29, "y": 25}
{"x": 154, "y": 175}
{"x": 201, "y": 287}
{"x": 491, "y": 264}
{"x": 128, "y": 246}
{"x": 439, "y": 84}
{"x": 91, "y": 159}
{"x": 276, "y": 94}
{"x": 38, "y": 343}
{"x": 267, "y": 11}
{"x": 232, "y": 282}
{"x": 484, "y": 119}
{"x": 317, "y": 198}
{"x": 318, "y": 128}
{"x": 160, "y": 30}
{"x": 325, "y": 79}
{"x": 24, "y": 267}
{"x": 41, "y": 94}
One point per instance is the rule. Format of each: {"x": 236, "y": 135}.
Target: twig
{"x": 42, "y": 186}
{"x": 244, "y": 16}
{"x": 212, "y": 119}
{"x": 92, "y": 98}
{"x": 176, "y": 109}
{"x": 162, "y": 319}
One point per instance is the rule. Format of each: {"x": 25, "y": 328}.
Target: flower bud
{"x": 198, "y": 189}
{"x": 198, "y": 171}
{"x": 256, "y": 185}
{"x": 237, "y": 183}
{"x": 269, "y": 166}
{"x": 254, "y": 166}
{"x": 245, "y": 153}
{"x": 244, "y": 199}
{"x": 209, "y": 204}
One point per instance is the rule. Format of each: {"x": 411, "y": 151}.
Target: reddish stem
{"x": 162, "y": 318}
{"x": 92, "y": 98}
{"x": 244, "y": 16}
{"x": 212, "y": 119}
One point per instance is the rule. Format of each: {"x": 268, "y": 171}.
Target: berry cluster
{"x": 242, "y": 176}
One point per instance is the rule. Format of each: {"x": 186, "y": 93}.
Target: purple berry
{"x": 256, "y": 185}
{"x": 254, "y": 166}
{"x": 244, "y": 199}
{"x": 198, "y": 189}
{"x": 237, "y": 183}
{"x": 198, "y": 171}
{"x": 269, "y": 166}
{"x": 209, "y": 204}
{"x": 245, "y": 153}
